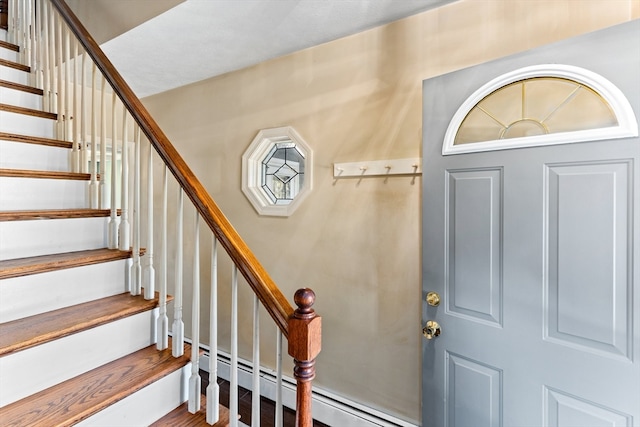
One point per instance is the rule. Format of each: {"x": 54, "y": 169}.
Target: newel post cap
{"x": 305, "y": 327}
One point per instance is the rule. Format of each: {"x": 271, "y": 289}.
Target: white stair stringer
{"x": 20, "y": 239}
{"x": 43, "y": 193}
{"x": 34, "y": 369}
{"x": 18, "y": 155}
{"x": 20, "y": 98}
{"x": 38, "y": 293}
{"x": 146, "y": 405}
{"x": 26, "y": 125}
{"x": 13, "y": 75}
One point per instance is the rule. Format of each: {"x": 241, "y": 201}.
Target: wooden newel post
{"x": 305, "y": 331}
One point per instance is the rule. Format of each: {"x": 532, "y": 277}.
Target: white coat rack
{"x": 378, "y": 168}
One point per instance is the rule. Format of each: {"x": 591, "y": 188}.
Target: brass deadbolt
{"x": 433, "y": 299}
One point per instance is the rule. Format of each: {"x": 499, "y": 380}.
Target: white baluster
{"x": 93, "y": 186}
{"x": 68, "y": 91}
{"x": 17, "y": 35}
{"x": 24, "y": 27}
{"x": 278, "y": 418}
{"x": 37, "y": 45}
{"x": 82, "y": 117}
{"x": 213, "y": 389}
{"x": 26, "y": 31}
{"x": 46, "y": 76}
{"x": 178, "y": 325}
{"x": 125, "y": 230}
{"x": 131, "y": 273}
{"x": 53, "y": 87}
{"x": 74, "y": 116}
{"x": 35, "y": 39}
{"x": 113, "y": 218}
{"x": 136, "y": 268}
{"x": 11, "y": 29}
{"x": 149, "y": 271}
{"x": 33, "y": 63}
{"x": 233, "y": 386}
{"x": 163, "y": 321}
{"x": 255, "y": 390}
{"x": 194, "y": 380}
{"x": 18, "y": 23}
{"x": 59, "y": 86}
{"x": 103, "y": 146}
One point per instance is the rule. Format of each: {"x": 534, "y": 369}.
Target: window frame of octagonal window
{"x": 253, "y": 173}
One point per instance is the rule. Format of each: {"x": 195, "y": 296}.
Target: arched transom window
{"x": 540, "y": 105}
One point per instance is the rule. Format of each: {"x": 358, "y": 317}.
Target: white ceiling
{"x": 199, "y": 39}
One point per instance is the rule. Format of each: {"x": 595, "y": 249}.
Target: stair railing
{"x": 107, "y": 123}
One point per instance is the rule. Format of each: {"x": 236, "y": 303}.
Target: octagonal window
{"x": 276, "y": 171}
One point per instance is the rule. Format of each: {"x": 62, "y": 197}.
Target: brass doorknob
{"x": 433, "y": 299}
{"x": 431, "y": 329}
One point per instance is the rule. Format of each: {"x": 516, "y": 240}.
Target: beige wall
{"x": 355, "y": 242}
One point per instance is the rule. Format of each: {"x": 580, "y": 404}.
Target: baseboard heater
{"x": 328, "y": 408}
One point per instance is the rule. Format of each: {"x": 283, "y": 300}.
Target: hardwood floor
{"x": 267, "y": 407}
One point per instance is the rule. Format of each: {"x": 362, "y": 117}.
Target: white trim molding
{"x": 252, "y": 170}
{"x": 627, "y": 123}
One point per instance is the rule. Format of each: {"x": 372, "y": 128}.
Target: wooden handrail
{"x": 271, "y": 297}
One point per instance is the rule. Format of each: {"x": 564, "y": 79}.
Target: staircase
{"x": 75, "y": 345}
{"x": 84, "y": 326}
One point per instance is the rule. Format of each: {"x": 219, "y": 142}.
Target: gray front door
{"x": 534, "y": 253}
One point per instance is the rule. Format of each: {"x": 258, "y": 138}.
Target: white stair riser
{"x": 20, "y": 98}
{"x": 40, "y": 367}
{"x": 4, "y": 35}
{"x": 27, "y": 125}
{"x": 38, "y": 293}
{"x": 39, "y": 193}
{"x": 8, "y": 54}
{"x": 145, "y": 406}
{"x": 19, "y": 239}
{"x": 13, "y": 75}
{"x": 17, "y": 155}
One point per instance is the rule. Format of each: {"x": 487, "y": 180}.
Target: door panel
{"x": 474, "y": 393}
{"x": 588, "y": 246}
{"x": 565, "y": 410}
{"x": 535, "y": 254}
{"x": 473, "y": 209}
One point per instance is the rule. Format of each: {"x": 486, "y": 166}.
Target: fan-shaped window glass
{"x": 540, "y": 105}
{"x": 536, "y": 106}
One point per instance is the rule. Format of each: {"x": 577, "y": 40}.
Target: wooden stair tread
{"x": 181, "y": 417}
{"x": 44, "y": 263}
{"x": 21, "y": 87}
{"x": 15, "y": 65}
{"x": 74, "y": 400}
{"x": 41, "y": 328}
{"x": 53, "y": 214}
{"x": 35, "y": 140}
{"x": 9, "y": 46}
{"x": 28, "y": 111}
{"x": 29, "y": 173}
